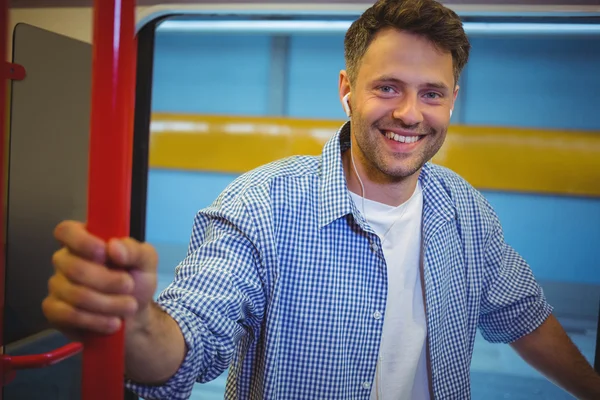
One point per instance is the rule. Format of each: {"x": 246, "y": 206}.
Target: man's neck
{"x": 379, "y": 188}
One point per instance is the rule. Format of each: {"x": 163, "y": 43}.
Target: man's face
{"x": 401, "y": 102}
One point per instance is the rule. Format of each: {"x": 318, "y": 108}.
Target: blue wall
{"x": 558, "y": 236}
{"x": 314, "y": 70}
{"x": 549, "y": 83}
{"x": 211, "y": 74}
{"x": 174, "y": 197}
{"x": 546, "y": 83}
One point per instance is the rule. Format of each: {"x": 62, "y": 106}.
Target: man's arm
{"x": 153, "y": 337}
{"x": 512, "y": 304}
{"x": 549, "y": 350}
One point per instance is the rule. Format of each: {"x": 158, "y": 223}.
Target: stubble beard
{"x": 380, "y": 163}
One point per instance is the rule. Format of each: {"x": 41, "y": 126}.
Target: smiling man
{"x": 363, "y": 273}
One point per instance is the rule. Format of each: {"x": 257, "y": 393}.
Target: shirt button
{"x": 366, "y": 385}
{"x": 374, "y": 247}
{"x": 377, "y": 315}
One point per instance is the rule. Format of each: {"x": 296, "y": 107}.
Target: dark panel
{"x": 597, "y": 357}
{"x": 48, "y": 164}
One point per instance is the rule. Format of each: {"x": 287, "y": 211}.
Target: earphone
{"x": 450, "y": 113}
{"x": 346, "y": 105}
{"x": 364, "y": 195}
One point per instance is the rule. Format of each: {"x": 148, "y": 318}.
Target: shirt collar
{"x": 335, "y": 201}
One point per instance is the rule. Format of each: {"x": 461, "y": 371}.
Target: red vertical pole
{"x": 109, "y": 182}
{"x": 3, "y": 158}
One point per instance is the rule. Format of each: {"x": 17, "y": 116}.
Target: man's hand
{"x": 85, "y": 294}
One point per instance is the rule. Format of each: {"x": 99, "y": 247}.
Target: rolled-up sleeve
{"x": 513, "y": 303}
{"x": 216, "y": 297}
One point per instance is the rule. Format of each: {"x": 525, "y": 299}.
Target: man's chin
{"x": 399, "y": 173}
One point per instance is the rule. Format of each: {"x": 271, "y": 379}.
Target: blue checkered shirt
{"x": 284, "y": 284}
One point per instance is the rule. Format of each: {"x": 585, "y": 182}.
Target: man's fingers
{"x": 73, "y": 235}
{"x": 88, "y": 300}
{"x": 92, "y": 275}
{"x": 97, "y": 283}
{"x": 64, "y": 315}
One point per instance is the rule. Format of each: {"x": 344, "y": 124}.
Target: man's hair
{"x": 427, "y": 18}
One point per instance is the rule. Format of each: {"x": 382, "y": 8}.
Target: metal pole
{"x": 109, "y": 190}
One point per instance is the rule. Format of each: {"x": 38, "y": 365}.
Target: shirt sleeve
{"x": 216, "y": 297}
{"x": 513, "y": 303}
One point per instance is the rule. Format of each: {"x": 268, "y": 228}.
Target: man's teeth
{"x": 401, "y": 139}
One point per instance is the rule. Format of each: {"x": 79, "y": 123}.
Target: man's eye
{"x": 433, "y": 95}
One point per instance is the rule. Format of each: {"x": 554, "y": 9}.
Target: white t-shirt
{"x": 402, "y": 366}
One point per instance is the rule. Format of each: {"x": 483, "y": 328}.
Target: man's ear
{"x": 344, "y": 92}
{"x": 455, "y": 95}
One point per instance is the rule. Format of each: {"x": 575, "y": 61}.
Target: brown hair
{"x": 428, "y": 18}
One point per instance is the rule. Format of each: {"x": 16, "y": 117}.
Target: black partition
{"x": 47, "y": 173}
{"x": 597, "y": 356}
{"x": 141, "y": 134}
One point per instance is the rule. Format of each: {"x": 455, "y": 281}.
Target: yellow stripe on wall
{"x": 492, "y": 158}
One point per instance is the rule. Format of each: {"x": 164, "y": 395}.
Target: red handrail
{"x": 109, "y": 183}
{"x": 41, "y": 360}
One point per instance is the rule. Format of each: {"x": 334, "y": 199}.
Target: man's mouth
{"x": 401, "y": 138}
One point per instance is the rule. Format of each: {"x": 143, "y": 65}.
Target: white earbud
{"x": 450, "y": 113}
{"x": 346, "y": 105}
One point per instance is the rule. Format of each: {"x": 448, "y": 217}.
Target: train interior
{"x": 222, "y": 93}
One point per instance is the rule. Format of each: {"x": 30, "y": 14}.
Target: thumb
{"x": 129, "y": 253}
